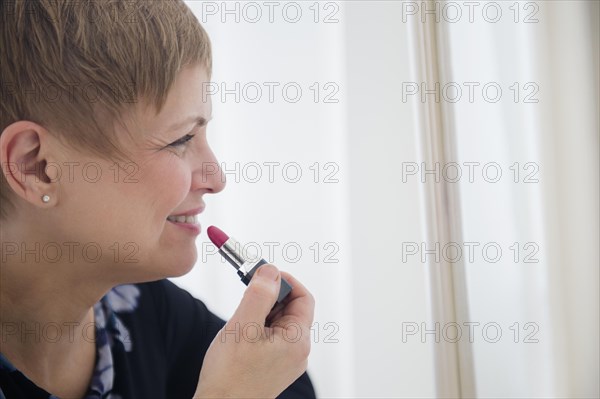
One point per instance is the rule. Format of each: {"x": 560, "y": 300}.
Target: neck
{"x": 46, "y": 314}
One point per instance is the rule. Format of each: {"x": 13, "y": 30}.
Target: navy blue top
{"x": 150, "y": 343}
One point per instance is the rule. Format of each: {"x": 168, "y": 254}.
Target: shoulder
{"x": 180, "y": 316}
{"x": 187, "y": 326}
{"x": 165, "y": 332}
{"x": 172, "y": 301}
{"x": 171, "y": 305}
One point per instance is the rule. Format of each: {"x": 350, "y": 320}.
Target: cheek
{"x": 170, "y": 185}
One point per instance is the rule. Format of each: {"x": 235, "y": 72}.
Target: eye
{"x": 182, "y": 141}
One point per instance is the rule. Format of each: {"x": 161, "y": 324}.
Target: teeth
{"x": 184, "y": 219}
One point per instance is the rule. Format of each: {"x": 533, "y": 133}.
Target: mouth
{"x": 188, "y": 217}
{"x": 183, "y": 219}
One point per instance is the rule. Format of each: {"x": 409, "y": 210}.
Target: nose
{"x": 208, "y": 174}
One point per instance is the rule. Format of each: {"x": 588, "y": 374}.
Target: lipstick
{"x": 231, "y": 250}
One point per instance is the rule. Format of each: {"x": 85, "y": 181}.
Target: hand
{"x": 248, "y": 359}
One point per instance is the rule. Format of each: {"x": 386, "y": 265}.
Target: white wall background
{"x": 365, "y": 293}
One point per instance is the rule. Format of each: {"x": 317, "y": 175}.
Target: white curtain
{"x": 533, "y": 117}
{"x": 358, "y": 220}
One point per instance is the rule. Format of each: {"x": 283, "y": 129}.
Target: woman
{"x": 103, "y": 143}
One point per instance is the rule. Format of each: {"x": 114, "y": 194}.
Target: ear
{"x": 24, "y": 147}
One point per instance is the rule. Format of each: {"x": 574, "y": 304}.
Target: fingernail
{"x": 268, "y": 271}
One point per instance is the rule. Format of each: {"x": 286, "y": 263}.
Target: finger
{"x": 299, "y": 304}
{"x": 259, "y": 297}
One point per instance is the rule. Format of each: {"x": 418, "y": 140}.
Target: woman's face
{"x": 124, "y": 213}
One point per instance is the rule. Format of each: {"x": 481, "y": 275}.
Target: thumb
{"x": 259, "y": 297}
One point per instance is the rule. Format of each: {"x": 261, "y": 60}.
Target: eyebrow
{"x": 197, "y": 120}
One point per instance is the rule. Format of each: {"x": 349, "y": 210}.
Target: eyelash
{"x": 182, "y": 141}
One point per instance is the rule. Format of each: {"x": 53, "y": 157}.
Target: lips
{"x": 190, "y": 216}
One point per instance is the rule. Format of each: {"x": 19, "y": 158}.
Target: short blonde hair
{"x": 71, "y": 66}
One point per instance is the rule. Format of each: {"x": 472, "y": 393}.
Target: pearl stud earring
{"x": 46, "y": 199}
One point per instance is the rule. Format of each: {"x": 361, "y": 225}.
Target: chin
{"x": 159, "y": 272}
{"x": 180, "y": 270}
{"x": 164, "y": 263}
{"x": 180, "y": 265}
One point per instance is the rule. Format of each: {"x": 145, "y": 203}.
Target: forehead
{"x": 188, "y": 98}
